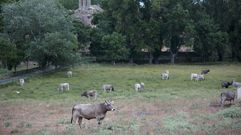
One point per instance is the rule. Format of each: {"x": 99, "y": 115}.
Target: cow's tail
{"x": 72, "y": 114}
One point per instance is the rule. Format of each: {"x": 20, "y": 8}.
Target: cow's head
{"x": 109, "y": 105}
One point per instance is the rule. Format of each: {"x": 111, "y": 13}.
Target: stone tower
{"x": 84, "y": 4}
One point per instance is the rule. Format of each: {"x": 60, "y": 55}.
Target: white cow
{"x": 194, "y": 76}
{"x": 69, "y": 74}
{"x": 21, "y": 82}
{"x": 63, "y": 87}
{"x": 165, "y": 75}
{"x": 200, "y": 78}
{"x": 139, "y": 86}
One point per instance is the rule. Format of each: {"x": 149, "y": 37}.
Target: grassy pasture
{"x": 175, "y": 106}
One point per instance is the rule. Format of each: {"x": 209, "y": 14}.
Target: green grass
{"x": 185, "y": 117}
{"x": 123, "y": 78}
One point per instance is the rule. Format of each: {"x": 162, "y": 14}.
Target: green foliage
{"x": 54, "y": 49}
{"x": 70, "y": 4}
{"x": 114, "y": 47}
{"x": 40, "y": 25}
{"x": 209, "y": 40}
{"x": 178, "y": 26}
{"x": 83, "y": 34}
{"x": 8, "y": 53}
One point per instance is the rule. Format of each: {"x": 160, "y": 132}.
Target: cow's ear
{"x": 106, "y": 102}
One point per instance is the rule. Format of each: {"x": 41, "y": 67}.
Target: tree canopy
{"x": 44, "y": 31}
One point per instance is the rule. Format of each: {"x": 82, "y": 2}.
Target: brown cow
{"x": 91, "y": 111}
{"x": 89, "y": 93}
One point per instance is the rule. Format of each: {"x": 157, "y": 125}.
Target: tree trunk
{"x": 27, "y": 64}
{"x": 173, "y": 58}
{"x": 113, "y": 62}
{"x": 131, "y": 61}
{"x": 150, "y": 58}
{"x": 220, "y": 56}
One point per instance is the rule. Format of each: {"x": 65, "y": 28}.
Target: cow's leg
{"x": 80, "y": 121}
{"x": 98, "y": 120}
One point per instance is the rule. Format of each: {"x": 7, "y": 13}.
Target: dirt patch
{"x": 131, "y": 116}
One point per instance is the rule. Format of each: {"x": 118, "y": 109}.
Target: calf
{"x": 90, "y": 93}
{"x": 225, "y": 84}
{"x": 139, "y": 86}
{"x": 108, "y": 87}
{"x": 205, "y": 71}
{"x": 63, "y": 87}
{"x": 21, "y": 82}
{"x": 91, "y": 111}
{"x": 227, "y": 96}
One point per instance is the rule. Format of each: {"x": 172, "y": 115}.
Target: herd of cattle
{"x": 98, "y": 111}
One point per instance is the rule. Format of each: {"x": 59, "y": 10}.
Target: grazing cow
{"x": 205, "y": 71}
{"x": 194, "y": 76}
{"x": 69, "y": 74}
{"x": 90, "y": 93}
{"x": 139, "y": 86}
{"x": 108, "y": 87}
{"x": 227, "y": 96}
{"x": 225, "y": 84}
{"x": 236, "y": 84}
{"x": 21, "y": 82}
{"x": 63, "y": 87}
{"x": 91, "y": 111}
{"x": 200, "y": 77}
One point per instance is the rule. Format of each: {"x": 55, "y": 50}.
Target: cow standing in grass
{"x": 108, "y": 87}
{"x": 165, "y": 75}
{"x": 139, "y": 86}
{"x": 91, "y": 111}
{"x": 21, "y": 82}
{"x": 63, "y": 87}
{"x": 69, "y": 74}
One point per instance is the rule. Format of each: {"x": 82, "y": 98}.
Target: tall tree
{"x": 179, "y": 26}
{"x": 210, "y": 41}
{"x": 150, "y": 29}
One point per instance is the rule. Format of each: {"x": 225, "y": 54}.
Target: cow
{"x": 63, "y": 87}
{"x": 165, "y": 75}
{"x": 236, "y": 84}
{"x": 91, "y": 111}
{"x": 108, "y": 87}
{"x": 225, "y": 84}
{"x": 200, "y": 78}
{"x": 205, "y": 71}
{"x": 227, "y": 95}
{"x": 89, "y": 93}
{"x": 139, "y": 86}
{"x": 21, "y": 82}
{"x": 69, "y": 74}
{"x": 194, "y": 76}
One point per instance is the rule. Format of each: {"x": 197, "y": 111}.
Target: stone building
{"x": 85, "y": 12}
{"x": 84, "y": 4}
